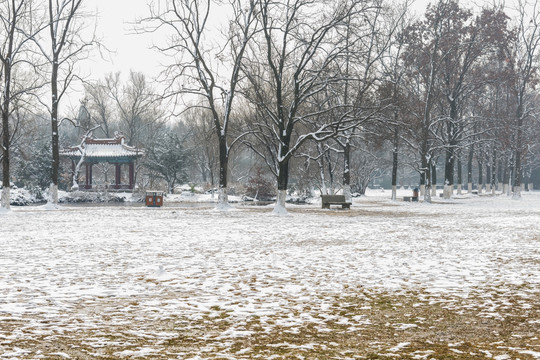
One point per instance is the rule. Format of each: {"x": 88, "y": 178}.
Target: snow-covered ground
{"x": 190, "y": 282}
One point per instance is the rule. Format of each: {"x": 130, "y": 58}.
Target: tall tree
{"x": 423, "y": 61}
{"x": 523, "y": 60}
{"x": 298, "y": 40}
{"x": 16, "y": 63}
{"x": 464, "y": 42}
{"x": 99, "y": 104}
{"x": 138, "y": 108}
{"x": 198, "y": 60}
{"x": 63, "y": 48}
{"x": 392, "y": 90}
{"x": 366, "y": 41}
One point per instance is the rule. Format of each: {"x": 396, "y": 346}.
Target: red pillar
{"x": 87, "y": 176}
{"x": 118, "y": 177}
{"x": 131, "y": 175}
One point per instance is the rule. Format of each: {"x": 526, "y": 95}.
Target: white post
{"x": 223, "y": 199}
{"x": 347, "y": 193}
{"x": 279, "y": 208}
{"x": 5, "y": 199}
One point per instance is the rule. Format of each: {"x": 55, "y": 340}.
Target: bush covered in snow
{"x": 91, "y": 197}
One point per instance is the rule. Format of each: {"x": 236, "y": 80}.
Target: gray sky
{"x": 115, "y": 20}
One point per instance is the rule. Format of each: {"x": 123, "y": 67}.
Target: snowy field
{"x": 456, "y": 279}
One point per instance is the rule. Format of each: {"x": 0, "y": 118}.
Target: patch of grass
{"x": 361, "y": 323}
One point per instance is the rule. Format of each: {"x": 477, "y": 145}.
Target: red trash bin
{"x": 154, "y": 198}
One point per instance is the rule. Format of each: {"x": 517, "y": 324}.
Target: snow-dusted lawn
{"x": 457, "y": 279}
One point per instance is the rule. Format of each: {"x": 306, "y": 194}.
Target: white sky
{"x": 129, "y": 51}
{"x": 115, "y": 28}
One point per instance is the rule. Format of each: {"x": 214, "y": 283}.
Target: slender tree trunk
{"x": 470, "y": 169}
{"x": 488, "y": 177}
{"x": 5, "y": 197}
{"x": 223, "y": 197}
{"x": 480, "y": 177}
{"x": 449, "y": 173}
{"x": 347, "y": 172}
{"x": 53, "y": 190}
{"x": 494, "y": 172}
{"x": 324, "y": 190}
{"x": 6, "y": 187}
{"x": 460, "y": 176}
{"x": 517, "y": 156}
{"x": 500, "y": 178}
{"x": 423, "y": 183}
{"x": 395, "y": 153}
{"x": 449, "y": 164}
{"x": 425, "y": 172}
{"x": 434, "y": 179}
{"x": 330, "y": 175}
{"x": 427, "y": 195}
{"x": 507, "y": 175}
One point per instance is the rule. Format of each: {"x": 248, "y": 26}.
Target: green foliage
{"x": 34, "y": 172}
{"x": 168, "y": 159}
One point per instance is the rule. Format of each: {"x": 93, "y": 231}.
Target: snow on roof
{"x": 103, "y": 148}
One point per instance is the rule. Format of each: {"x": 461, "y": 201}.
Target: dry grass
{"x": 360, "y": 325}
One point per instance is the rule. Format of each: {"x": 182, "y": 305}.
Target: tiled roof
{"x": 103, "y": 148}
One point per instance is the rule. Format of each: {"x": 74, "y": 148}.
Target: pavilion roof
{"x": 103, "y": 149}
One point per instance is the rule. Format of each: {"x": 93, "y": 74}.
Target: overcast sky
{"x": 129, "y": 51}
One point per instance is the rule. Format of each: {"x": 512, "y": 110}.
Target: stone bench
{"x": 328, "y": 200}
{"x": 410, "y": 198}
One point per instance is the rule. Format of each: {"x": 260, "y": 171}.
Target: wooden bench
{"x": 328, "y": 200}
{"x": 410, "y": 198}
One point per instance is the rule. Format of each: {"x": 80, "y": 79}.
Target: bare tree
{"x": 200, "y": 63}
{"x": 138, "y": 107}
{"x": 18, "y": 27}
{"x": 63, "y": 47}
{"x": 423, "y": 61}
{"x": 299, "y": 43}
{"x": 392, "y": 90}
{"x": 524, "y": 62}
{"x": 201, "y": 144}
{"x": 373, "y": 40}
{"x": 99, "y": 104}
{"x": 466, "y": 41}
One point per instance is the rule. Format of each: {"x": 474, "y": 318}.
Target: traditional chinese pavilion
{"x": 112, "y": 151}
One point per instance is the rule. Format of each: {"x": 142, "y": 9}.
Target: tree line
{"x": 302, "y": 94}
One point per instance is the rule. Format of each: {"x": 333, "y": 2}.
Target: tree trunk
{"x": 500, "y": 181}
{"x": 493, "y": 172}
{"x": 423, "y": 175}
{"x": 395, "y": 153}
{"x": 488, "y": 177}
{"x": 283, "y": 183}
{"x": 223, "y": 197}
{"x": 347, "y": 172}
{"x": 427, "y": 195}
{"x": 53, "y": 190}
{"x": 459, "y": 175}
{"x": 480, "y": 177}
{"x": 434, "y": 180}
{"x": 469, "y": 169}
{"x": 5, "y": 198}
{"x": 517, "y": 156}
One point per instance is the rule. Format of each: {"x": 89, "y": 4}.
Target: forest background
{"x": 279, "y": 98}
